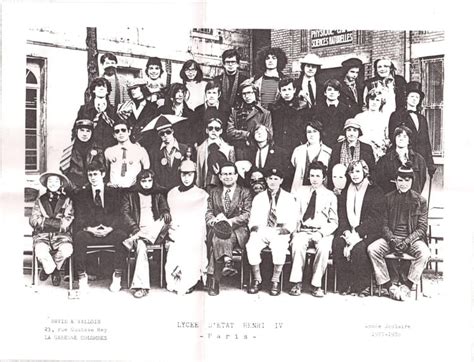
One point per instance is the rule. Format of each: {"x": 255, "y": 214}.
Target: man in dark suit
{"x": 231, "y": 204}
{"x": 332, "y": 113}
{"x": 98, "y": 222}
{"x": 351, "y": 90}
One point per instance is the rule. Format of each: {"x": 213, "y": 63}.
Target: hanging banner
{"x": 324, "y": 38}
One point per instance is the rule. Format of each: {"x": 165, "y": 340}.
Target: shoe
{"x": 190, "y": 290}
{"x": 255, "y": 287}
{"x": 296, "y": 289}
{"x": 56, "y": 278}
{"x": 317, "y": 292}
{"x": 116, "y": 283}
{"x": 275, "y": 289}
{"x": 404, "y": 292}
{"x": 394, "y": 292}
{"x": 140, "y": 293}
{"x": 83, "y": 282}
{"x": 365, "y": 292}
{"x": 43, "y": 276}
{"x": 229, "y": 269}
{"x": 213, "y": 287}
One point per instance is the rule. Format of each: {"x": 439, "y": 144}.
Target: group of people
{"x": 267, "y": 162}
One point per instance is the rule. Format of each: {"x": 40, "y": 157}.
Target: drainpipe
{"x": 407, "y": 54}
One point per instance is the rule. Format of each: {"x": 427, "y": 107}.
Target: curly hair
{"x": 282, "y": 59}
{"x": 99, "y": 82}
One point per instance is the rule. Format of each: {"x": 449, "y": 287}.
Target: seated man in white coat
{"x": 272, "y": 220}
{"x": 317, "y": 222}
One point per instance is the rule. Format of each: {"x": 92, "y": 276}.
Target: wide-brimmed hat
{"x": 415, "y": 87}
{"x": 222, "y": 229}
{"x": 311, "y": 58}
{"x": 351, "y": 122}
{"x": 43, "y": 179}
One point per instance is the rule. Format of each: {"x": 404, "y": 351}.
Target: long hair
{"x": 173, "y": 89}
{"x": 188, "y": 65}
{"x": 282, "y": 59}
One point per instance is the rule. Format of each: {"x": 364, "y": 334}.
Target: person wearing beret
{"x": 118, "y": 83}
{"x": 351, "y": 90}
{"x": 166, "y": 155}
{"x": 317, "y": 222}
{"x": 81, "y": 153}
{"x": 126, "y": 159}
{"x": 390, "y": 84}
{"x": 245, "y": 117}
{"x": 101, "y": 112}
{"x": 306, "y": 85}
{"x": 332, "y": 113}
{"x": 228, "y": 213}
{"x": 211, "y": 153}
{"x": 351, "y": 149}
{"x": 51, "y": 219}
{"x": 138, "y": 111}
{"x": 156, "y": 80}
{"x": 416, "y": 122}
{"x": 360, "y": 211}
{"x": 273, "y": 218}
{"x": 405, "y": 225}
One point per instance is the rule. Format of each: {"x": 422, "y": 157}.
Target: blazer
{"x": 420, "y": 139}
{"x": 371, "y": 216}
{"x": 318, "y": 97}
{"x": 286, "y": 210}
{"x": 130, "y": 209}
{"x": 77, "y": 171}
{"x": 202, "y": 114}
{"x": 325, "y": 216}
{"x": 45, "y": 220}
{"x": 417, "y": 216}
{"x": 88, "y": 214}
{"x": 238, "y": 214}
{"x": 332, "y": 121}
{"x": 387, "y": 166}
{"x": 201, "y": 160}
{"x": 347, "y": 97}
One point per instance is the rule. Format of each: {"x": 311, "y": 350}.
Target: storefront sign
{"x": 324, "y": 38}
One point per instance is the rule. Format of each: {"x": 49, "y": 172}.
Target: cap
{"x": 273, "y": 171}
{"x": 187, "y": 166}
{"x": 406, "y": 171}
{"x": 351, "y": 122}
{"x": 222, "y": 229}
{"x": 135, "y": 82}
{"x": 44, "y": 177}
{"x": 311, "y": 59}
{"x": 352, "y": 63}
{"x": 84, "y": 123}
{"x": 415, "y": 87}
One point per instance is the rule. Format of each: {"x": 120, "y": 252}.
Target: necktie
{"x": 124, "y": 162}
{"x": 227, "y": 200}
{"x": 272, "y": 218}
{"x": 117, "y": 92}
{"x": 352, "y": 148}
{"x": 97, "y": 198}
{"x": 311, "y": 209}
{"x": 311, "y": 93}
{"x": 354, "y": 92}
{"x": 260, "y": 163}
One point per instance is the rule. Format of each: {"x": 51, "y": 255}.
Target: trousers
{"x": 52, "y": 250}
{"x": 264, "y": 237}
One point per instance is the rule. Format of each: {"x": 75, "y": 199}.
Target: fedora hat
{"x": 311, "y": 58}
{"x": 222, "y": 229}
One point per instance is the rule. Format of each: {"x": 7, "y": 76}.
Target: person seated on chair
{"x": 51, "y": 219}
{"x": 404, "y": 230}
{"x": 98, "y": 222}
{"x": 146, "y": 213}
{"x": 360, "y": 209}
{"x": 228, "y": 204}
{"x": 317, "y": 223}
{"x": 272, "y": 220}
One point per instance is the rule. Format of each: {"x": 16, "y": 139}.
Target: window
{"x": 432, "y": 83}
{"x": 34, "y": 117}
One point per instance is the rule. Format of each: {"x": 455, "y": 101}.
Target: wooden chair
{"x": 149, "y": 249}
{"x": 434, "y": 243}
{"x": 239, "y": 254}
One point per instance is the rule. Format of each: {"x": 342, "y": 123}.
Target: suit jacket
{"x": 77, "y": 171}
{"x": 286, "y": 210}
{"x": 130, "y": 209}
{"x": 103, "y": 135}
{"x": 166, "y": 176}
{"x": 44, "y": 219}
{"x": 202, "y": 114}
{"x": 318, "y": 97}
{"x": 387, "y": 166}
{"x": 259, "y": 115}
{"x": 325, "y": 213}
{"x": 417, "y": 216}
{"x": 238, "y": 214}
{"x": 88, "y": 214}
{"x": 201, "y": 161}
{"x": 366, "y": 154}
{"x": 371, "y": 216}
{"x": 347, "y": 97}
{"x": 148, "y": 112}
{"x": 420, "y": 139}
{"x": 332, "y": 121}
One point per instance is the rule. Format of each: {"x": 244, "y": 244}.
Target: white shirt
{"x": 333, "y": 103}
{"x": 304, "y": 85}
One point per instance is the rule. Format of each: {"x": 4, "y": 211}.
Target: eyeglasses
{"x": 118, "y": 130}
{"x": 214, "y": 128}
{"x": 230, "y": 62}
{"x": 166, "y": 132}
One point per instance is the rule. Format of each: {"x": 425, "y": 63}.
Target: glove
{"x": 167, "y": 218}
{"x": 51, "y": 225}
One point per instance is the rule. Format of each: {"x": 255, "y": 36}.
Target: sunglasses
{"x": 166, "y": 132}
{"x": 118, "y": 130}
{"x": 214, "y": 128}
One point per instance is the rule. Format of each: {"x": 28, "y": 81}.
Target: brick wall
{"x": 426, "y": 36}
